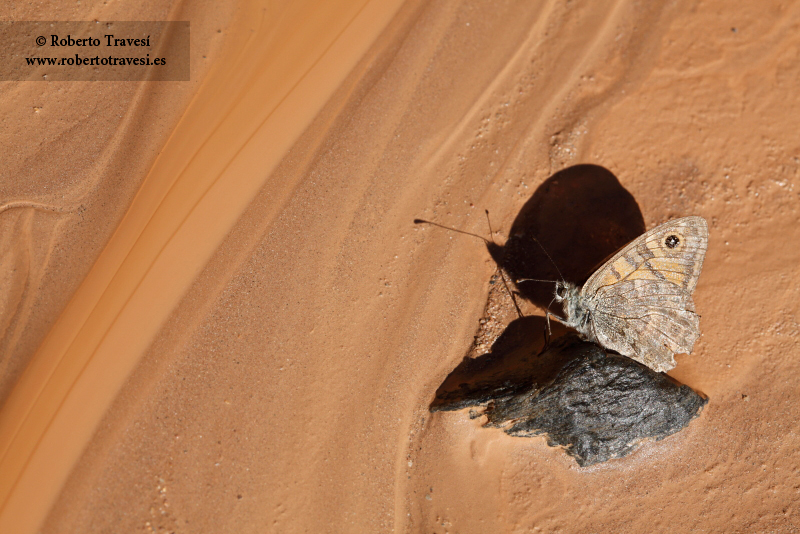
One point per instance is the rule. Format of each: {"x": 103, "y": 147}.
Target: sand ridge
{"x": 89, "y": 352}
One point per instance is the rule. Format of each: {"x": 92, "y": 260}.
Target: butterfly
{"x": 639, "y": 302}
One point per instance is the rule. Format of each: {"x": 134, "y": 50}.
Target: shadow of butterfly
{"x": 639, "y": 303}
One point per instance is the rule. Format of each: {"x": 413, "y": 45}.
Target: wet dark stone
{"x": 598, "y": 405}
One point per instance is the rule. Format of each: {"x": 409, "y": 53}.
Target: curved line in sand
{"x": 38, "y": 206}
{"x": 211, "y": 168}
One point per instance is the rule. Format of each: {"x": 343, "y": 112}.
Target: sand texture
{"x": 218, "y": 315}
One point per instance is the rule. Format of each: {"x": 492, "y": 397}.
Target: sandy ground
{"x": 231, "y": 323}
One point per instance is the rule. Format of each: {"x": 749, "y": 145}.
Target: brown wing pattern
{"x": 646, "y": 320}
{"x": 650, "y": 257}
{"x": 641, "y": 300}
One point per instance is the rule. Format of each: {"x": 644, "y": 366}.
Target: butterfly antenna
{"x": 487, "y": 241}
{"x": 423, "y": 221}
{"x": 548, "y": 257}
{"x": 489, "y": 222}
{"x": 536, "y": 280}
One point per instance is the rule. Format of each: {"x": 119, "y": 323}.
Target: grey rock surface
{"x": 598, "y": 405}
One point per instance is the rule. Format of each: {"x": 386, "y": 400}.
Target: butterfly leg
{"x": 548, "y": 334}
{"x": 511, "y": 293}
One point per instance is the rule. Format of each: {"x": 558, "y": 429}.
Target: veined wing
{"x": 647, "y": 320}
{"x": 672, "y": 252}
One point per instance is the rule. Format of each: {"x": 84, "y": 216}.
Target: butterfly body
{"x": 639, "y": 303}
{"x": 577, "y": 309}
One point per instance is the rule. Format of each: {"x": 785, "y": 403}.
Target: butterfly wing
{"x": 649, "y": 257}
{"x": 647, "y": 320}
{"x": 641, "y": 298}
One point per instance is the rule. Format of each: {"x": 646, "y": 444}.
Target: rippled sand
{"x": 218, "y": 316}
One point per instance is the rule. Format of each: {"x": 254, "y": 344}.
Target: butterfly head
{"x": 564, "y": 291}
{"x": 576, "y": 313}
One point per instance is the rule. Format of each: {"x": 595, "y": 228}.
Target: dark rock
{"x": 598, "y": 405}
